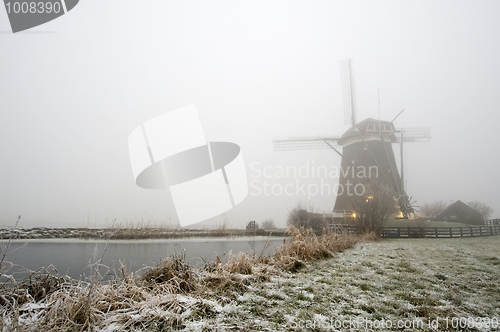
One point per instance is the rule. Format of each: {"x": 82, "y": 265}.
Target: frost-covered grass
{"x": 171, "y": 295}
{"x": 407, "y": 280}
{"x": 306, "y": 284}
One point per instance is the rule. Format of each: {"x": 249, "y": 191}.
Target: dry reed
{"x": 160, "y": 298}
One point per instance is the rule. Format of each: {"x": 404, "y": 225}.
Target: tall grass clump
{"x": 306, "y": 246}
{"x": 173, "y": 274}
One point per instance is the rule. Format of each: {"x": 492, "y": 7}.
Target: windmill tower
{"x": 366, "y": 145}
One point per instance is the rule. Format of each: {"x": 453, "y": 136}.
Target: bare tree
{"x": 432, "y": 209}
{"x": 484, "y": 209}
{"x": 268, "y": 224}
{"x": 297, "y": 216}
{"x": 300, "y": 217}
{"x": 374, "y": 207}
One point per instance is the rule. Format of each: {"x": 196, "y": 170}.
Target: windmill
{"x": 366, "y": 144}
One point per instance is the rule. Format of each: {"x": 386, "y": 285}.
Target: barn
{"x": 461, "y": 212}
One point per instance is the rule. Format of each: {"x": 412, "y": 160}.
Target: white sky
{"x": 73, "y": 89}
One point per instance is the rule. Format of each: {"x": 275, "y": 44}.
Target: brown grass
{"x": 306, "y": 246}
{"x": 370, "y": 237}
{"x": 150, "y": 300}
{"x": 172, "y": 275}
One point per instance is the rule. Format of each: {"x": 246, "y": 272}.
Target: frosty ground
{"x": 393, "y": 280}
{"x": 409, "y": 284}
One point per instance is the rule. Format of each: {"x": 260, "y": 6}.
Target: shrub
{"x": 373, "y": 208}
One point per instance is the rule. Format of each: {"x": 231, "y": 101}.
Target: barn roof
{"x": 460, "y": 208}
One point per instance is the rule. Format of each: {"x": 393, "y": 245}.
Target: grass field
{"x": 411, "y": 284}
{"x": 402, "y": 281}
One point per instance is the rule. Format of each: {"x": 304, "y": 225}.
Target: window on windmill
{"x": 387, "y": 128}
{"x": 350, "y": 214}
{"x": 372, "y": 128}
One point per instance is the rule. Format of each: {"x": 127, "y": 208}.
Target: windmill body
{"x": 366, "y": 148}
{"x": 367, "y": 157}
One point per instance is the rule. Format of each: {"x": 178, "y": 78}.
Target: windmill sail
{"x": 347, "y": 75}
{"x": 305, "y": 143}
{"x": 414, "y": 134}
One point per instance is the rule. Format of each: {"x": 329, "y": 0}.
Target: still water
{"x": 74, "y": 257}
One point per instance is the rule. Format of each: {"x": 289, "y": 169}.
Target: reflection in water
{"x": 75, "y": 258}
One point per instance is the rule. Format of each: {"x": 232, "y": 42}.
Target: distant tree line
{"x": 432, "y": 209}
{"x": 482, "y": 208}
{"x": 298, "y": 216}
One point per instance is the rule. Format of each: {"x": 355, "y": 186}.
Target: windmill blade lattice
{"x": 414, "y": 134}
{"x": 347, "y": 75}
{"x": 305, "y": 143}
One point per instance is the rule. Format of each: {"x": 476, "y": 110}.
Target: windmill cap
{"x": 369, "y": 128}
